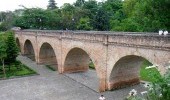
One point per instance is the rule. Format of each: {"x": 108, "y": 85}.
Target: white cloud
{"x": 14, "y": 4}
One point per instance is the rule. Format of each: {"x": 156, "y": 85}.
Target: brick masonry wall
{"x": 107, "y": 50}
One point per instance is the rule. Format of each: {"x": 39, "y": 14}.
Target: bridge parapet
{"x": 50, "y": 34}
{"x": 84, "y": 36}
{"x": 142, "y": 40}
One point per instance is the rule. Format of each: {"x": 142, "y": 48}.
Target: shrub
{"x": 159, "y": 89}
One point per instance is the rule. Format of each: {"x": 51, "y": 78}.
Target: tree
{"x": 79, "y": 3}
{"x": 3, "y": 55}
{"x": 32, "y": 18}
{"x": 6, "y": 20}
{"x": 53, "y": 19}
{"x": 67, "y": 14}
{"x": 37, "y": 18}
{"x": 84, "y": 24}
{"x": 101, "y": 20}
{"x": 150, "y": 15}
{"x": 12, "y": 49}
{"x": 92, "y": 7}
{"x": 51, "y": 5}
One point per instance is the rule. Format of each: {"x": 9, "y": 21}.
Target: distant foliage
{"x": 6, "y": 20}
{"x": 84, "y": 24}
{"x": 109, "y": 15}
{"x": 101, "y": 20}
{"x": 147, "y": 15}
{"x": 52, "y": 4}
{"x": 36, "y": 18}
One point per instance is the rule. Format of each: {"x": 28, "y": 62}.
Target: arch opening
{"x": 77, "y": 63}
{"x": 29, "y": 50}
{"x": 47, "y": 56}
{"x": 76, "y": 60}
{"x": 126, "y": 72}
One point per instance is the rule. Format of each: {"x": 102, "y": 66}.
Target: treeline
{"x": 111, "y": 15}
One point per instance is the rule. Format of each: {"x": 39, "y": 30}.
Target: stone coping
{"x": 112, "y": 33}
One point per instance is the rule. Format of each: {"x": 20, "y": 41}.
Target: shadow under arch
{"x": 29, "y": 50}
{"x": 126, "y": 72}
{"x": 47, "y": 56}
{"x": 76, "y": 60}
{"x": 76, "y": 64}
{"x": 18, "y": 44}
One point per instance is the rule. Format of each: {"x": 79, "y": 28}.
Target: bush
{"x": 159, "y": 89}
{"x": 3, "y": 26}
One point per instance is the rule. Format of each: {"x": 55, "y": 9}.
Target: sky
{"x": 11, "y": 5}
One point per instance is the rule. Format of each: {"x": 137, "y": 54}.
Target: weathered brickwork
{"x": 117, "y": 56}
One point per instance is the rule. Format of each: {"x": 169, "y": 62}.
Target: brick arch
{"x": 97, "y": 61}
{"x": 47, "y": 55}
{"x": 126, "y": 71}
{"x": 76, "y": 60}
{"x": 29, "y": 49}
{"x": 88, "y": 52}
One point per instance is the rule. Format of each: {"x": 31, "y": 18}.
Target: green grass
{"x": 16, "y": 70}
{"x": 49, "y": 67}
{"x": 91, "y": 65}
{"x": 148, "y": 74}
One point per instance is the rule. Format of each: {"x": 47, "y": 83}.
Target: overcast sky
{"x": 11, "y": 5}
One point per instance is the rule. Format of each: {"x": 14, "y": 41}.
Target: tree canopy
{"x": 52, "y": 4}
{"x": 114, "y": 15}
{"x": 12, "y": 49}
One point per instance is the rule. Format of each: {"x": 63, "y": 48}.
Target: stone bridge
{"x": 117, "y": 56}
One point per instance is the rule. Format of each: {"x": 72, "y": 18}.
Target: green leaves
{"x": 150, "y": 15}
{"x": 115, "y": 15}
{"x": 12, "y": 49}
{"x": 36, "y": 18}
{"x": 101, "y": 20}
{"x": 2, "y": 49}
{"x": 84, "y": 24}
